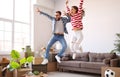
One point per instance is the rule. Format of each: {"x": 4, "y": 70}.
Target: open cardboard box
{"x": 37, "y": 60}
{"x": 20, "y": 72}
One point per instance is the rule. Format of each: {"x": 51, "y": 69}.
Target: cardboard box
{"x": 52, "y": 57}
{"x": 9, "y": 73}
{"x": 6, "y": 73}
{"x": 0, "y": 71}
{"x": 116, "y": 71}
{"x": 37, "y": 60}
{"x": 20, "y": 72}
{"x": 52, "y": 66}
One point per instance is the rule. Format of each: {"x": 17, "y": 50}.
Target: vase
{"x": 28, "y": 51}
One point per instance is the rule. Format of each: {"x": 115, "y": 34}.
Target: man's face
{"x": 57, "y": 16}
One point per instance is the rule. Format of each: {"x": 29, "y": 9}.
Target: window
{"x": 5, "y": 35}
{"x": 15, "y": 24}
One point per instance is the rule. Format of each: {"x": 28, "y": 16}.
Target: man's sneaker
{"x": 45, "y": 61}
{"x": 57, "y": 58}
{"x": 74, "y": 56}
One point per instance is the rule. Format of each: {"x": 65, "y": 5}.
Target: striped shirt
{"x": 76, "y": 20}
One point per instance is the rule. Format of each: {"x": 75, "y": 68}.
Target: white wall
{"x": 101, "y": 23}
{"x": 42, "y": 25}
{"x": 46, "y": 3}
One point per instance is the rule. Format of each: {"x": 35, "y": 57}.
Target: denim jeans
{"x": 54, "y": 39}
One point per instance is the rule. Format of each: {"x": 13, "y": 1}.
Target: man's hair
{"x": 76, "y": 8}
{"x": 59, "y": 12}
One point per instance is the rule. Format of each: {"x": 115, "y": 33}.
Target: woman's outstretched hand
{"x": 67, "y": 2}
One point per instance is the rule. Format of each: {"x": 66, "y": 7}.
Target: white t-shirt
{"x": 59, "y": 27}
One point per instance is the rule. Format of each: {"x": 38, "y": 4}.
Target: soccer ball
{"x": 109, "y": 73}
{"x": 28, "y": 65}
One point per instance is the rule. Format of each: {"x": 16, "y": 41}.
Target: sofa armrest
{"x": 114, "y": 62}
{"x": 107, "y": 61}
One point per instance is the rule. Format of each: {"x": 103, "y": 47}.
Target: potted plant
{"x": 117, "y": 45}
{"x": 36, "y": 73}
{"x": 17, "y": 63}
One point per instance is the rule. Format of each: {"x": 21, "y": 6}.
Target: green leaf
{"x": 22, "y": 61}
{"x": 15, "y": 54}
{"x": 36, "y": 72}
{"x": 30, "y": 59}
{"x": 15, "y": 65}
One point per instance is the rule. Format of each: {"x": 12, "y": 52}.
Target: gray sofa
{"x": 87, "y": 62}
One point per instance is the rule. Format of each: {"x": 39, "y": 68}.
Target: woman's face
{"x": 73, "y": 11}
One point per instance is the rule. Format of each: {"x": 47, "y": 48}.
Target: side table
{"x": 115, "y": 69}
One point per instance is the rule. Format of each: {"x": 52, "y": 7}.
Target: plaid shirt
{"x": 76, "y": 20}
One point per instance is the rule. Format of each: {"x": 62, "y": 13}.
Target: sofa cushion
{"x": 70, "y": 63}
{"x": 99, "y": 57}
{"x": 92, "y": 65}
{"x": 66, "y": 57}
{"x": 82, "y": 56}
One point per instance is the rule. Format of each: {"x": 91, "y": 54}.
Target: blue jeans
{"x": 55, "y": 38}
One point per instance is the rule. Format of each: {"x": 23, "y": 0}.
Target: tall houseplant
{"x": 117, "y": 44}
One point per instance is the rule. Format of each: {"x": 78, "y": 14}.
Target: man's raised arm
{"x": 49, "y": 16}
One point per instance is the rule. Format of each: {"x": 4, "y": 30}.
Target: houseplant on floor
{"x": 17, "y": 63}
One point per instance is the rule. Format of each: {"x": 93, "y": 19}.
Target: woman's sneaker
{"x": 74, "y": 56}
